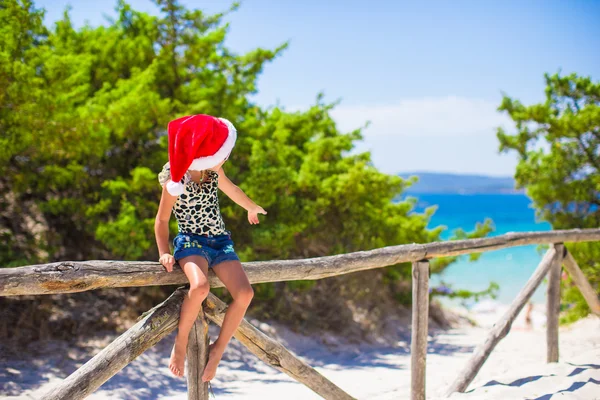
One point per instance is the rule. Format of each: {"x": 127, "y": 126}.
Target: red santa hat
{"x": 197, "y": 142}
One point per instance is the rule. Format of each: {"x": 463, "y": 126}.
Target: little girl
{"x": 199, "y": 145}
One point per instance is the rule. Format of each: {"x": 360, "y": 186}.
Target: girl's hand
{"x": 167, "y": 261}
{"x": 253, "y": 214}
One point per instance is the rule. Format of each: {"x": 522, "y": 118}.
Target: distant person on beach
{"x": 528, "y": 321}
{"x": 199, "y": 145}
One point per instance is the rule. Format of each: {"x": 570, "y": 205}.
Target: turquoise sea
{"x": 510, "y": 268}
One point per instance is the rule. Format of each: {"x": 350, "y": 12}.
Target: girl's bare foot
{"x": 215, "y": 353}
{"x": 177, "y": 362}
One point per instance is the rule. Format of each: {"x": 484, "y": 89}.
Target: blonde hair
{"x": 203, "y": 175}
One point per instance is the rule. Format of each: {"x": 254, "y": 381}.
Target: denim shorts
{"x": 214, "y": 248}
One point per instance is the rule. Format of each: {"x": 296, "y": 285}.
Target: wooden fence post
{"x": 502, "y": 327}
{"x": 420, "y": 319}
{"x": 197, "y": 357}
{"x": 553, "y": 304}
{"x": 582, "y": 283}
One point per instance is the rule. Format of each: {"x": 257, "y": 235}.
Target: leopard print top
{"x": 197, "y": 209}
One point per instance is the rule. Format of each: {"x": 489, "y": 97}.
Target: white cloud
{"x": 431, "y": 117}
{"x": 445, "y": 134}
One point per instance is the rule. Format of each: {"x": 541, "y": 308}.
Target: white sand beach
{"x": 515, "y": 370}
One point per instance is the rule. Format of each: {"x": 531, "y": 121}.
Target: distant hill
{"x": 433, "y": 182}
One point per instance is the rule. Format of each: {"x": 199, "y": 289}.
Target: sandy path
{"x": 366, "y": 372}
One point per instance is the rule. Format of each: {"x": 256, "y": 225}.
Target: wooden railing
{"x": 155, "y": 324}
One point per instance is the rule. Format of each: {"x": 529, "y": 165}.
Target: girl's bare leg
{"x": 196, "y": 270}
{"x": 235, "y": 280}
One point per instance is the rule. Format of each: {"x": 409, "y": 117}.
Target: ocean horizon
{"x": 511, "y": 267}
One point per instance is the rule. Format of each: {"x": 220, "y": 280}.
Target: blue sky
{"x": 428, "y": 75}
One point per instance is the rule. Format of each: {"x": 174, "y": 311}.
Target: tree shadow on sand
{"x": 148, "y": 376}
{"x": 574, "y": 386}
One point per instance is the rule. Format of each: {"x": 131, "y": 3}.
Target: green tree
{"x": 83, "y": 118}
{"x": 83, "y": 122}
{"x": 559, "y": 165}
{"x": 21, "y": 32}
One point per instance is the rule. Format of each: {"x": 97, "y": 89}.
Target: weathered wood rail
{"x": 79, "y": 276}
{"x": 68, "y": 277}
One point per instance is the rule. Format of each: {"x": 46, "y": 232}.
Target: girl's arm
{"x": 239, "y": 197}
{"x": 161, "y": 229}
